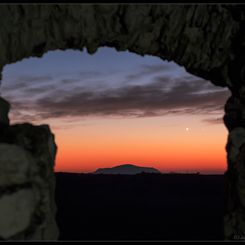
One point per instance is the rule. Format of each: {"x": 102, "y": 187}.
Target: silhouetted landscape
{"x": 126, "y": 169}
{"x": 140, "y": 207}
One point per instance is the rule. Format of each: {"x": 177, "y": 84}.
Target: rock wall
{"x": 208, "y": 40}
{"x": 27, "y": 207}
{"x": 234, "y": 118}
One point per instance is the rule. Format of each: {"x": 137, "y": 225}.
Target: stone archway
{"x": 208, "y": 40}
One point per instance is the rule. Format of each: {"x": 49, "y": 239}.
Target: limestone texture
{"x": 27, "y": 183}
{"x": 234, "y": 219}
{"x": 207, "y": 39}
{"x": 16, "y": 211}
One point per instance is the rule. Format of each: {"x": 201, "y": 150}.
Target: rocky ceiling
{"x": 208, "y": 40}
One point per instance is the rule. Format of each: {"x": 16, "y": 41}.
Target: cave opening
{"x": 119, "y": 108}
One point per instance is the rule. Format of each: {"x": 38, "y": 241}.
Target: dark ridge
{"x": 126, "y": 169}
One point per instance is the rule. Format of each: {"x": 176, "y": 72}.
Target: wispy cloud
{"x": 148, "y": 70}
{"x": 45, "y": 97}
{"x": 213, "y": 120}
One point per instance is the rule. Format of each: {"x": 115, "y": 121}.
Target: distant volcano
{"x": 126, "y": 169}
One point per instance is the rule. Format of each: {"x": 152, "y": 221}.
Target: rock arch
{"x": 208, "y": 40}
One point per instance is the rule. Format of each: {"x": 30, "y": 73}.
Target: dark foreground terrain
{"x": 140, "y": 207}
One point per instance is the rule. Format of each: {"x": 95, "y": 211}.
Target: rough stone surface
{"x": 16, "y": 165}
{"x": 27, "y": 183}
{"x": 4, "y": 110}
{"x": 235, "y": 141}
{"x": 234, "y": 219}
{"x": 235, "y": 216}
{"x": 16, "y": 211}
{"x": 208, "y": 40}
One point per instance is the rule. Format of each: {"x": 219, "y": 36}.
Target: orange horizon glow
{"x": 150, "y": 142}
{"x": 54, "y": 88}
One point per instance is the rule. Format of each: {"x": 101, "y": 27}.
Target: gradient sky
{"x": 114, "y": 107}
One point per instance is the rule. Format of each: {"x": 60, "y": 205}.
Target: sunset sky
{"x": 112, "y": 108}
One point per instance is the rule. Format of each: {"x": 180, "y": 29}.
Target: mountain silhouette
{"x": 126, "y": 169}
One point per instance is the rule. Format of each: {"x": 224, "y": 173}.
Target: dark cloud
{"x": 75, "y": 96}
{"x": 155, "y": 99}
{"x": 29, "y": 85}
{"x": 27, "y": 82}
{"x": 38, "y": 90}
{"x": 11, "y": 87}
{"x": 214, "y": 120}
